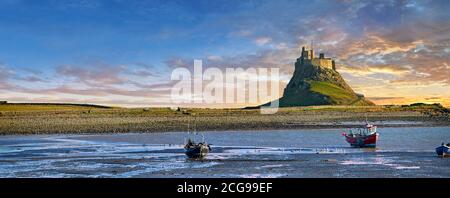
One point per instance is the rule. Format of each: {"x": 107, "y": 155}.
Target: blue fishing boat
{"x": 443, "y": 150}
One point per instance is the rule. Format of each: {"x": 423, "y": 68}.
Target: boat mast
{"x": 185, "y": 141}
{"x": 195, "y": 129}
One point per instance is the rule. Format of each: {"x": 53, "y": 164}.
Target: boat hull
{"x": 443, "y": 151}
{"x": 197, "y": 152}
{"x": 362, "y": 141}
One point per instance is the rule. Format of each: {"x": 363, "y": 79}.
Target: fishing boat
{"x": 366, "y": 136}
{"x": 196, "y": 150}
{"x": 443, "y": 150}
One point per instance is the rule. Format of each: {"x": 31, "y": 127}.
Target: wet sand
{"x": 284, "y": 153}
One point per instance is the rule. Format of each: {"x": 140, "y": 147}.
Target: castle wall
{"x": 307, "y": 57}
{"x": 327, "y": 63}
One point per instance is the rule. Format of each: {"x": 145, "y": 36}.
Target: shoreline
{"x": 266, "y": 129}
{"x": 26, "y": 120}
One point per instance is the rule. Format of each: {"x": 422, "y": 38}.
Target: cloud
{"x": 270, "y": 58}
{"x": 384, "y": 98}
{"x": 102, "y": 82}
{"x": 262, "y": 40}
{"x": 141, "y": 70}
{"x": 372, "y": 45}
{"x": 383, "y": 48}
{"x": 32, "y": 79}
{"x": 445, "y": 101}
{"x": 433, "y": 98}
{"x": 105, "y": 92}
{"x": 5, "y": 75}
{"x": 240, "y": 33}
{"x": 143, "y": 73}
{"x": 412, "y": 60}
{"x": 96, "y": 75}
{"x": 214, "y": 58}
{"x": 374, "y": 69}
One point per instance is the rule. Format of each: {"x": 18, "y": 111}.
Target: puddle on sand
{"x": 285, "y": 151}
{"x": 381, "y": 160}
{"x": 269, "y": 175}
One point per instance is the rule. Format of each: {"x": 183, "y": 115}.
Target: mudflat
{"x": 307, "y": 153}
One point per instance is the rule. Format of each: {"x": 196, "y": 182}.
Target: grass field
{"x": 60, "y": 118}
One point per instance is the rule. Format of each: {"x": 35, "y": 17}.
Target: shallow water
{"x": 401, "y": 152}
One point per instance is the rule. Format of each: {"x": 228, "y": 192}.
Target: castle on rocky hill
{"x": 308, "y": 58}
{"x": 316, "y": 82}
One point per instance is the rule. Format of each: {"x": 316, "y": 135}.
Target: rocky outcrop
{"x": 316, "y": 85}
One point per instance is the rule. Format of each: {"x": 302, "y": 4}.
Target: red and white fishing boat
{"x": 366, "y": 136}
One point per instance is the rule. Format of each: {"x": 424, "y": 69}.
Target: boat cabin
{"x": 368, "y": 129}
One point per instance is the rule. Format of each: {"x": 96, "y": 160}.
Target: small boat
{"x": 196, "y": 150}
{"x": 443, "y": 150}
{"x": 365, "y": 137}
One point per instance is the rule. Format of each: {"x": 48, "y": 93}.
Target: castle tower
{"x": 308, "y": 57}
{"x": 307, "y": 54}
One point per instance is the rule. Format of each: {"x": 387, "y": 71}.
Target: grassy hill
{"x": 316, "y": 85}
{"x": 335, "y": 94}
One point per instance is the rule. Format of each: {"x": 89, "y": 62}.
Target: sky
{"x": 122, "y": 53}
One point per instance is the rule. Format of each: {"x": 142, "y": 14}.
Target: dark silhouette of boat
{"x": 366, "y": 136}
{"x": 443, "y": 150}
{"x": 196, "y": 150}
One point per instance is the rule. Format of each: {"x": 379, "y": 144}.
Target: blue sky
{"x": 49, "y": 33}
{"x": 110, "y": 51}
